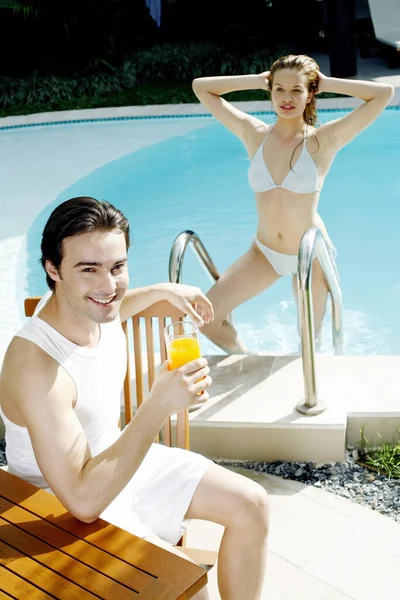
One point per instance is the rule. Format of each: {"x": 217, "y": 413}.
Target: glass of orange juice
{"x": 182, "y": 339}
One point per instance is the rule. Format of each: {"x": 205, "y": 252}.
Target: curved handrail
{"x": 313, "y": 243}
{"x": 177, "y": 255}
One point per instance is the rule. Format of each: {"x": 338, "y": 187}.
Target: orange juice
{"x": 182, "y": 350}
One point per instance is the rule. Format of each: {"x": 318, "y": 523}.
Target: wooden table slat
{"x": 4, "y": 596}
{"x": 45, "y": 579}
{"x": 53, "y": 559}
{"x": 173, "y": 578}
{"x": 151, "y": 557}
{"x": 19, "y": 588}
{"x": 77, "y": 548}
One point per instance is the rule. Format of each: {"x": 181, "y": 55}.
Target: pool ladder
{"x": 177, "y": 255}
{"x": 312, "y": 245}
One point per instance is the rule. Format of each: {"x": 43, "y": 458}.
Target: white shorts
{"x": 157, "y": 497}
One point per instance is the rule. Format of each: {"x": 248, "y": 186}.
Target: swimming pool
{"x": 172, "y": 174}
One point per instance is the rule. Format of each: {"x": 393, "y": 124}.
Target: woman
{"x": 288, "y": 164}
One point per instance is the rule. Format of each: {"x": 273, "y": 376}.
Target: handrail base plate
{"x": 311, "y": 411}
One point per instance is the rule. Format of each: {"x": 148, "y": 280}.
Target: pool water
{"x": 196, "y": 178}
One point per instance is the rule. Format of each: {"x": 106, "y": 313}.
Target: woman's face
{"x": 289, "y": 93}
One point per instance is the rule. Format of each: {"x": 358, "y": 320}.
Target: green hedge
{"x": 186, "y": 61}
{"x": 160, "y": 74}
{"x": 33, "y": 90}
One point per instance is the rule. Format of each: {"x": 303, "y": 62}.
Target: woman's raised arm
{"x": 209, "y": 90}
{"x": 376, "y": 97}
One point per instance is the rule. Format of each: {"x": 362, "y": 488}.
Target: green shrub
{"x": 190, "y": 60}
{"x": 384, "y": 458}
{"x": 62, "y": 37}
{"x": 167, "y": 69}
{"x": 42, "y": 90}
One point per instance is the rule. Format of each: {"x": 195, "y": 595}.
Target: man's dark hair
{"x": 75, "y": 217}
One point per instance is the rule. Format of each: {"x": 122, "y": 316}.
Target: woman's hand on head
{"x": 321, "y": 82}
{"x": 264, "y": 80}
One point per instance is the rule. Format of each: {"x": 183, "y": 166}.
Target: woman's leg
{"x": 248, "y": 276}
{"x": 242, "y": 507}
{"x": 319, "y": 290}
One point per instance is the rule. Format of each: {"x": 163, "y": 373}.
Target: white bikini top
{"x": 302, "y": 178}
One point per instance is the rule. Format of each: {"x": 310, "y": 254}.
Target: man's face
{"x": 93, "y": 275}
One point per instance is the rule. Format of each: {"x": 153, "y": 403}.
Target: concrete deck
{"x": 322, "y": 547}
{"x": 251, "y": 413}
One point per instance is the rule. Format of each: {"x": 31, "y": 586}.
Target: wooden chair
{"x": 161, "y": 313}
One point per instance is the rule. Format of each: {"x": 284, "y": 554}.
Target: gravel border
{"x": 2, "y": 453}
{"x": 347, "y": 479}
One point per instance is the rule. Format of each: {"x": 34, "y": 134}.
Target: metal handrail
{"x": 177, "y": 254}
{"x": 313, "y": 244}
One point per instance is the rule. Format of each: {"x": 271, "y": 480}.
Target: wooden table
{"x": 46, "y": 553}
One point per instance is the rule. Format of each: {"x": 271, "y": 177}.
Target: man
{"x": 60, "y": 398}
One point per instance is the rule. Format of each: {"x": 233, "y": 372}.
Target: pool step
{"x": 251, "y": 413}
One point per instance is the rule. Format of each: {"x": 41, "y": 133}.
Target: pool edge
{"x": 163, "y": 111}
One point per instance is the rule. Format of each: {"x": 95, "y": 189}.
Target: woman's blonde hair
{"x": 306, "y": 66}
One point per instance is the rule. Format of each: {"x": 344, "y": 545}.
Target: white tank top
{"x": 98, "y": 374}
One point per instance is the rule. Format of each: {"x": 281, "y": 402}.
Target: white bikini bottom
{"x": 286, "y": 264}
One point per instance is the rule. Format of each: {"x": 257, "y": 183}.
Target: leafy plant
{"x": 62, "y": 37}
{"x": 157, "y": 72}
{"x": 189, "y": 60}
{"x": 20, "y": 8}
{"x": 52, "y": 90}
{"x": 385, "y": 458}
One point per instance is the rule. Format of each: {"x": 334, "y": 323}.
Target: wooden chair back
{"x": 142, "y": 329}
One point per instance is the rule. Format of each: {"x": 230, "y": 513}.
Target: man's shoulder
{"x": 30, "y": 381}
{"x": 25, "y": 359}
{"x": 21, "y": 348}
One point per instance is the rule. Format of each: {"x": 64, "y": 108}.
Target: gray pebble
{"x": 347, "y": 479}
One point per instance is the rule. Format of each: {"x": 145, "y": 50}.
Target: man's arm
{"x": 86, "y": 485}
{"x": 187, "y": 298}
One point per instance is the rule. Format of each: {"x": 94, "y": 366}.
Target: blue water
{"x": 198, "y": 180}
